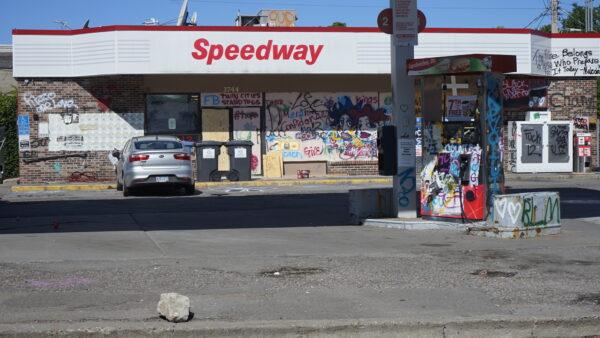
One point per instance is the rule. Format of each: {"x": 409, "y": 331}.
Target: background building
{"x": 313, "y": 95}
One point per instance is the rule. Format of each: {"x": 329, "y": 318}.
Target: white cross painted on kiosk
{"x": 455, "y": 86}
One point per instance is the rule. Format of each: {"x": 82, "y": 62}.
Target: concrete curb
{"x": 296, "y": 182}
{"x": 572, "y": 327}
{"x": 205, "y": 185}
{"x": 416, "y": 224}
{"x": 58, "y": 187}
{"x": 557, "y": 176}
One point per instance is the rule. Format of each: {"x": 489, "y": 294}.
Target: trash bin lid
{"x": 239, "y": 143}
{"x": 209, "y": 144}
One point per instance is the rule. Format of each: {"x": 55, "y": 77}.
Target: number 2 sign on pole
{"x": 385, "y": 21}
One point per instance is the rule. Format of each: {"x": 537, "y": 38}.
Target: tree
{"x": 338, "y": 24}
{"x": 575, "y": 20}
{"x": 8, "y": 119}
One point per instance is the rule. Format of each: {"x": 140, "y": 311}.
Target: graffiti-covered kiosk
{"x": 461, "y": 135}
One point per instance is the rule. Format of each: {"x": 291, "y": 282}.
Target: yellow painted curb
{"x": 57, "y": 187}
{"x": 287, "y": 183}
{"x": 204, "y": 185}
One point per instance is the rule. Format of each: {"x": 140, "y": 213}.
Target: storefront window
{"x": 172, "y": 114}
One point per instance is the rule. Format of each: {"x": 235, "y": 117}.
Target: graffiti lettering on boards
{"x": 527, "y": 210}
{"x": 341, "y": 126}
{"x": 494, "y": 138}
{"x": 575, "y": 62}
{"x": 525, "y": 93}
{"x": 532, "y": 141}
{"x": 558, "y": 143}
{"x": 313, "y": 151}
{"x": 231, "y": 99}
{"x": 47, "y": 101}
{"x": 560, "y": 136}
{"x": 246, "y": 127}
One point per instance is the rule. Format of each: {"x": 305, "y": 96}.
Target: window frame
{"x": 189, "y": 96}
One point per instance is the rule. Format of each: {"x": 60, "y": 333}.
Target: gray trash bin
{"x": 207, "y": 161}
{"x": 240, "y": 156}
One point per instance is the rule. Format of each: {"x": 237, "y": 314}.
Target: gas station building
{"x": 309, "y": 98}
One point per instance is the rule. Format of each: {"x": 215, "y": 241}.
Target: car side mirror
{"x": 116, "y": 154}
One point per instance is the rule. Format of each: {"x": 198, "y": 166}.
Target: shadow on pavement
{"x": 574, "y": 202}
{"x": 175, "y": 213}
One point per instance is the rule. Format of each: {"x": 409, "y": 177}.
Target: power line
{"x": 296, "y": 4}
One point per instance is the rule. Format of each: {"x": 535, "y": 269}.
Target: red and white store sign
{"x": 114, "y": 50}
{"x": 209, "y": 52}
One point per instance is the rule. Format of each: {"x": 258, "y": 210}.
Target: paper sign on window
{"x": 172, "y": 124}
{"x": 239, "y": 153}
{"x": 208, "y": 153}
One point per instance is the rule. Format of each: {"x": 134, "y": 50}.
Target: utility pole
{"x": 554, "y": 23}
{"x": 403, "y": 93}
{"x": 589, "y": 15}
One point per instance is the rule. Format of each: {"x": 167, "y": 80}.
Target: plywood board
{"x": 215, "y": 127}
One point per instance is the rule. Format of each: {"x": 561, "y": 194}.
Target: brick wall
{"x": 567, "y": 98}
{"x": 572, "y": 97}
{"x": 39, "y": 98}
{"x": 353, "y": 168}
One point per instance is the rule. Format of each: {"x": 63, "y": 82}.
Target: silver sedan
{"x": 154, "y": 161}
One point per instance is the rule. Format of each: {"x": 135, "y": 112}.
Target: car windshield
{"x": 157, "y": 145}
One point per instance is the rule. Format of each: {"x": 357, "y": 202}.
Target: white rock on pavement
{"x": 174, "y": 307}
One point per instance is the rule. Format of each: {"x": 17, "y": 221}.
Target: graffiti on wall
{"x": 246, "y": 127}
{"x": 45, "y": 102}
{"x": 522, "y": 94}
{"x": 93, "y": 131}
{"x": 558, "y": 143}
{"x": 575, "y": 62}
{"x": 526, "y": 210}
{"x": 324, "y": 126}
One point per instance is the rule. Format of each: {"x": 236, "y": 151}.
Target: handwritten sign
{"x": 575, "y": 62}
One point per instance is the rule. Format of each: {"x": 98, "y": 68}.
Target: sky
{"x": 41, "y": 14}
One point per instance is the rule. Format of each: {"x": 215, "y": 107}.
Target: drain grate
{"x": 291, "y": 271}
{"x": 493, "y": 273}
